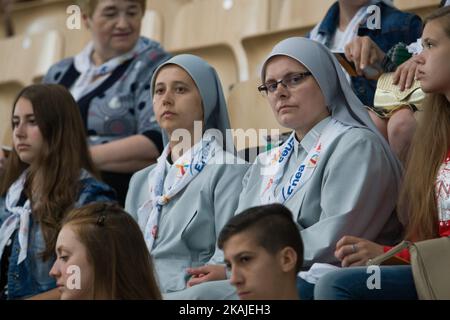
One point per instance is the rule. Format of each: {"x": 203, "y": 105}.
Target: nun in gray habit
{"x": 341, "y": 178}
{"x": 182, "y": 206}
{"x": 338, "y": 178}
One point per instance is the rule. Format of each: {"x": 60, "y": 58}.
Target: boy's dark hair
{"x": 272, "y": 226}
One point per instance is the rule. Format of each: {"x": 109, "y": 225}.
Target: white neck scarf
{"x": 190, "y": 164}
{"x": 19, "y": 216}
{"x": 349, "y": 34}
{"x": 352, "y": 29}
{"x": 279, "y": 158}
{"x": 89, "y": 71}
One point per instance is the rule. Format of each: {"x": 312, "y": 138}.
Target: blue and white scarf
{"x": 279, "y": 158}
{"x": 192, "y": 162}
{"x": 19, "y": 216}
{"x": 91, "y": 76}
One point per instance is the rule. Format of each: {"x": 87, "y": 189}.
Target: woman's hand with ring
{"x": 354, "y": 251}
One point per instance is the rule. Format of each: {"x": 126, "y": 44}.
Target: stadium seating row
{"x": 233, "y": 35}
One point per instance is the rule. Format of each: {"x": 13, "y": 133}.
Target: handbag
{"x": 430, "y": 264}
{"x": 388, "y": 97}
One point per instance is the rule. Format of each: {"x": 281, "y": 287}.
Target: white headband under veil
{"x": 215, "y": 113}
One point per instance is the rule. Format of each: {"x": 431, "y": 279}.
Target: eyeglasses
{"x": 290, "y": 81}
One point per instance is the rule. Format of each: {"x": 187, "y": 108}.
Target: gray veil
{"x": 342, "y": 102}
{"x": 205, "y": 77}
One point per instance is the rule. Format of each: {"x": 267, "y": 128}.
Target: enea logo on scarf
{"x": 199, "y": 166}
{"x": 295, "y": 181}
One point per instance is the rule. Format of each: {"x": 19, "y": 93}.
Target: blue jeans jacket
{"x": 32, "y": 275}
{"x": 396, "y": 26}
